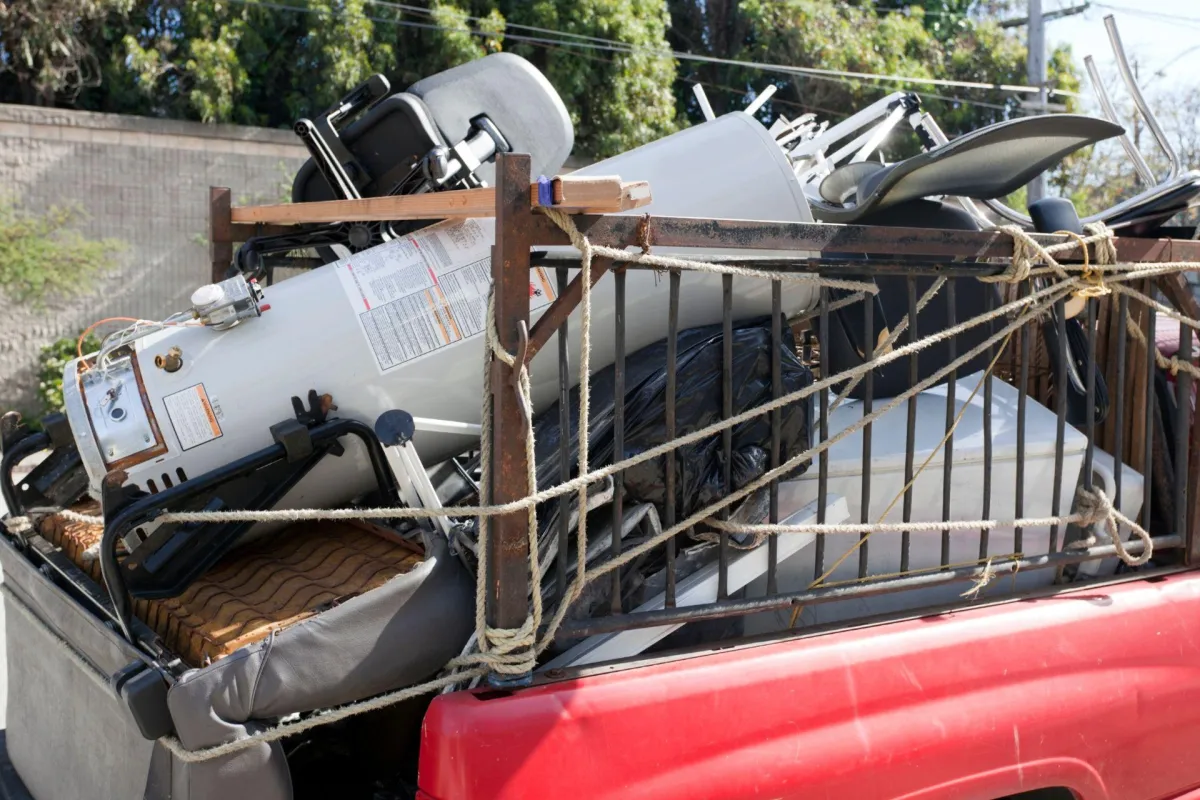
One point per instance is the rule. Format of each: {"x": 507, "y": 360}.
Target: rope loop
{"x": 1021, "y": 265}
{"x": 984, "y": 577}
{"x": 1093, "y": 279}
{"x": 1093, "y": 508}
{"x": 514, "y": 651}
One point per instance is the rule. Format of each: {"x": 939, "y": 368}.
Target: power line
{"x": 1155, "y": 16}
{"x": 610, "y": 45}
{"x": 613, "y": 45}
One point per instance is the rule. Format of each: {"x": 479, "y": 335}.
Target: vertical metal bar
{"x": 618, "y": 504}
{"x": 1060, "y": 408}
{"x": 566, "y": 502}
{"x": 948, "y": 452}
{"x": 823, "y": 458}
{"x": 727, "y": 434}
{"x": 1022, "y": 397}
{"x": 220, "y": 231}
{"x": 776, "y": 432}
{"x": 911, "y": 440}
{"x": 868, "y": 402}
{"x": 1089, "y": 427}
{"x": 670, "y": 500}
{"x": 986, "y": 511}
{"x": 1151, "y": 371}
{"x": 1183, "y": 416}
{"x": 1119, "y": 410}
{"x": 508, "y": 545}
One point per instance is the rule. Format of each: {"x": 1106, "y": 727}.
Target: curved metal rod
{"x": 147, "y": 509}
{"x": 1114, "y": 38}
{"x": 1139, "y": 163}
{"x": 31, "y": 444}
{"x": 1151, "y": 193}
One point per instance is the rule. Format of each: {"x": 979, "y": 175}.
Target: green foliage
{"x": 43, "y": 255}
{"x": 945, "y": 39}
{"x": 269, "y": 64}
{"x": 51, "y": 363}
{"x": 46, "y": 47}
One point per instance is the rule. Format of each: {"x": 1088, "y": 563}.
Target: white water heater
{"x": 399, "y": 327}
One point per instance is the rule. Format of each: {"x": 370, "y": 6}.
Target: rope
{"x": 985, "y": 576}
{"x": 1049, "y": 293}
{"x": 507, "y": 651}
{"x": 74, "y": 516}
{"x": 893, "y": 336}
{"x": 18, "y": 526}
{"x": 1172, "y": 365}
{"x": 1096, "y": 508}
{"x": 514, "y": 651}
{"x": 589, "y": 251}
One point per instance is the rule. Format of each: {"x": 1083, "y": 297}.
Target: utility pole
{"x": 1037, "y": 77}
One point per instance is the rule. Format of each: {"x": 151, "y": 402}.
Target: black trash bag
{"x": 699, "y": 466}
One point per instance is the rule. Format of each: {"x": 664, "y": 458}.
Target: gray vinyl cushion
{"x": 69, "y": 737}
{"x": 393, "y": 636}
{"x": 72, "y": 738}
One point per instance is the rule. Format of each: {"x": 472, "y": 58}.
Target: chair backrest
{"x": 396, "y": 133}
{"x": 988, "y": 163}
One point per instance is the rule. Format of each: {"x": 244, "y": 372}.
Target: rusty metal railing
{"x": 1136, "y": 430}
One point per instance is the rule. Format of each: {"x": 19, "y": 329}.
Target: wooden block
{"x": 584, "y": 192}
{"x": 574, "y": 195}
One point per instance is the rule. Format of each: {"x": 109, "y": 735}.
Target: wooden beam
{"x": 600, "y": 195}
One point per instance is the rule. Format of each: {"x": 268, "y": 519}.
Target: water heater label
{"x": 192, "y": 417}
{"x": 420, "y": 293}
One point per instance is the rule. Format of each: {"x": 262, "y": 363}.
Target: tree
{"x": 882, "y": 38}
{"x": 245, "y": 63}
{"x": 46, "y": 52}
{"x": 249, "y": 62}
{"x": 617, "y": 100}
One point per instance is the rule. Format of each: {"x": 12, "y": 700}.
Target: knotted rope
{"x": 1094, "y": 508}
{"x": 514, "y": 651}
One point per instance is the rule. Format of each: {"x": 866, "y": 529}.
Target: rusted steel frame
{"x": 220, "y": 230}
{"x": 724, "y": 609}
{"x": 223, "y": 232}
{"x": 623, "y": 231}
{"x": 1179, "y": 293}
{"x": 828, "y": 266}
{"x": 561, "y": 308}
{"x": 508, "y": 542}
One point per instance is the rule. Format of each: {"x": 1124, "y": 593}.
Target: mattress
{"x": 275, "y": 582}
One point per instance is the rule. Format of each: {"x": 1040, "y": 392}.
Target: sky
{"x": 1161, "y": 35}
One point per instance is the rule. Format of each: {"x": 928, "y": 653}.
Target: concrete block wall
{"x": 141, "y": 181}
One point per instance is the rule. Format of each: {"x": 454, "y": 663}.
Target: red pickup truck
{"x": 1082, "y": 695}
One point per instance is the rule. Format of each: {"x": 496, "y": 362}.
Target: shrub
{"x": 43, "y": 255}
{"x": 53, "y": 361}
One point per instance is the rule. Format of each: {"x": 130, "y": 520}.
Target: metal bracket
{"x": 145, "y": 694}
{"x": 395, "y": 430}
{"x": 318, "y": 409}
{"x": 296, "y": 440}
